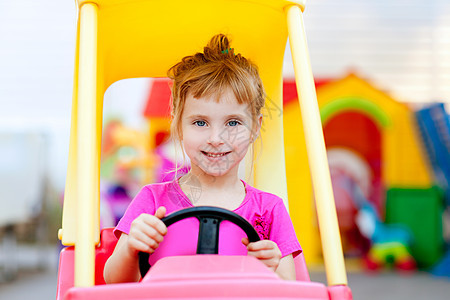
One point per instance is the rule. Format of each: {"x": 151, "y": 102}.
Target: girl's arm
{"x": 122, "y": 266}
{"x": 286, "y": 268}
{"x": 268, "y": 253}
{"x": 146, "y": 232}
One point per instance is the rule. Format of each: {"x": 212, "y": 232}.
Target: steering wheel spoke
{"x": 208, "y": 235}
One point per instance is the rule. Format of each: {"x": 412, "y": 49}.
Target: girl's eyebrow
{"x": 232, "y": 116}
{"x": 236, "y": 116}
{"x": 197, "y": 117}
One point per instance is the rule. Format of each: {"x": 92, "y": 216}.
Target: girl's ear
{"x": 257, "y": 127}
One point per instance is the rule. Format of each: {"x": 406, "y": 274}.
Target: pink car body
{"x": 194, "y": 277}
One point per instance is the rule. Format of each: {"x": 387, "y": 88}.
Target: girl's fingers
{"x": 265, "y": 254}
{"x": 154, "y": 222}
{"x": 245, "y": 241}
{"x": 269, "y": 258}
{"x": 149, "y": 236}
{"x": 152, "y": 233}
{"x": 261, "y": 245}
{"x": 265, "y": 251}
{"x": 160, "y": 212}
{"x": 140, "y": 245}
{"x": 147, "y": 231}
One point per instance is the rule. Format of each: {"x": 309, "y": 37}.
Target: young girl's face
{"x": 216, "y": 135}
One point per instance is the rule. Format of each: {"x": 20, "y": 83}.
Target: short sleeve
{"x": 282, "y": 231}
{"x": 144, "y": 202}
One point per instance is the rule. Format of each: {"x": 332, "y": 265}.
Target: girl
{"x": 217, "y": 100}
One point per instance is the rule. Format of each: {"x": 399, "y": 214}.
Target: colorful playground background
{"x": 389, "y": 162}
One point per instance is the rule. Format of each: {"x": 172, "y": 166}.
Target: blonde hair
{"x": 212, "y": 72}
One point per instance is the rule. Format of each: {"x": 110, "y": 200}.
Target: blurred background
{"x": 382, "y": 71}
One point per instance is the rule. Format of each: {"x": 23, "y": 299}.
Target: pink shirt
{"x": 265, "y": 211}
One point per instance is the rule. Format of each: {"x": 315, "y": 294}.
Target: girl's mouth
{"x": 214, "y": 155}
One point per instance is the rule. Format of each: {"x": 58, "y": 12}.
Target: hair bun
{"x": 218, "y": 45}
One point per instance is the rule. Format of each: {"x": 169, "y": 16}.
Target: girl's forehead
{"x": 223, "y": 95}
{"x": 225, "y": 103}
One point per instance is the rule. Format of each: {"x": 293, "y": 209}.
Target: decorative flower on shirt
{"x": 261, "y": 227}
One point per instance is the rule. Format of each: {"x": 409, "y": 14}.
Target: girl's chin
{"x": 213, "y": 171}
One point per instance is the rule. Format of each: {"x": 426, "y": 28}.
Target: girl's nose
{"x": 216, "y": 137}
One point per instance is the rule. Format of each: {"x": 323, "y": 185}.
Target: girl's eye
{"x": 233, "y": 123}
{"x": 200, "y": 123}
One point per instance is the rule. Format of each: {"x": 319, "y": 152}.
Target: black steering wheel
{"x": 208, "y": 235}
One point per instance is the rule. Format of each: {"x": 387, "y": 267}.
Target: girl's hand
{"x": 266, "y": 251}
{"x": 146, "y": 232}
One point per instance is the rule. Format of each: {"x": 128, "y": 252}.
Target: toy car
{"x": 119, "y": 39}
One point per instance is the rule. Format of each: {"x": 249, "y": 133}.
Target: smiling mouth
{"x": 213, "y": 155}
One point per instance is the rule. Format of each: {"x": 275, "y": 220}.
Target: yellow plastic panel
{"x": 270, "y": 168}
{"x": 299, "y": 186}
{"x": 406, "y": 162}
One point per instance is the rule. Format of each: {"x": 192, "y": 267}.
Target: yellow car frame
{"x": 119, "y": 39}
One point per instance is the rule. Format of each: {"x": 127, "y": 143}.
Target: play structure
{"x": 434, "y": 124}
{"x": 120, "y": 39}
{"x": 392, "y": 155}
{"x": 359, "y": 220}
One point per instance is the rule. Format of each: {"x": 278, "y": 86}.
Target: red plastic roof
{"x": 290, "y": 90}
{"x": 158, "y": 101}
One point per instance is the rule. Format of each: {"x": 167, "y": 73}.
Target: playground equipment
{"x": 386, "y": 137}
{"x": 389, "y": 243}
{"x": 120, "y": 39}
{"x": 434, "y": 124}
